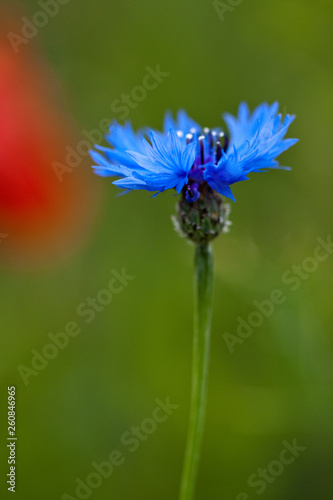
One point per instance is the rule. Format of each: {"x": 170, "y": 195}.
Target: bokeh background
{"x": 61, "y": 240}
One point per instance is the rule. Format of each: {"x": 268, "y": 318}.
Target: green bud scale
{"x": 201, "y": 221}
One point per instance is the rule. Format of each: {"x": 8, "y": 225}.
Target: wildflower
{"x": 187, "y": 157}
{"x": 201, "y": 164}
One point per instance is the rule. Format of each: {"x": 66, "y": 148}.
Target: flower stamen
{"x": 189, "y": 138}
{"x": 218, "y": 151}
{"x": 202, "y": 149}
{"x": 225, "y": 139}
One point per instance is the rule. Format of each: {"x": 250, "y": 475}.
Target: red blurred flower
{"x": 41, "y": 218}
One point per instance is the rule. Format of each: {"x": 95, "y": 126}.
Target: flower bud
{"x": 204, "y": 219}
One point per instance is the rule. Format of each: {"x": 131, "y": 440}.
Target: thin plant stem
{"x": 203, "y": 295}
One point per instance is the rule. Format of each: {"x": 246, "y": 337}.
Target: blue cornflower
{"x": 187, "y": 157}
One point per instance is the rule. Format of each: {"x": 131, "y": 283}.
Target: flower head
{"x": 187, "y": 157}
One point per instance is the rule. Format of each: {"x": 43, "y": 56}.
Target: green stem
{"x": 203, "y": 293}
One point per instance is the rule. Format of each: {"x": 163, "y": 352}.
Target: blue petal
{"x": 123, "y": 137}
{"x": 258, "y": 138}
{"x": 118, "y": 157}
{"x": 132, "y": 183}
{"x": 185, "y": 123}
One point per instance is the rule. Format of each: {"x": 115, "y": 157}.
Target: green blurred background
{"x": 277, "y": 385}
